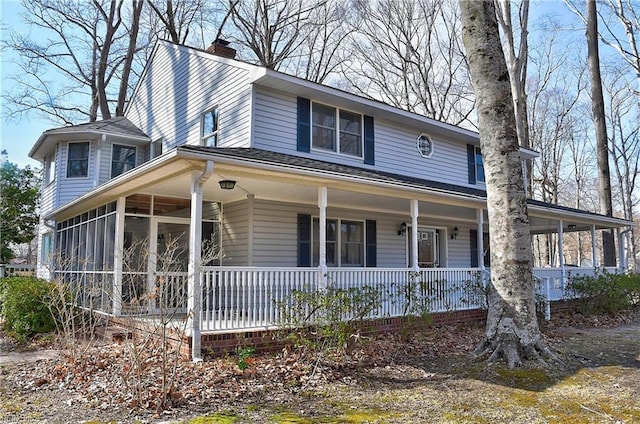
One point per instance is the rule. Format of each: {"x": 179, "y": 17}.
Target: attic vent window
{"x": 425, "y": 145}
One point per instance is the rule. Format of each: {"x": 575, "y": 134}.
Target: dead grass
{"x": 423, "y": 377}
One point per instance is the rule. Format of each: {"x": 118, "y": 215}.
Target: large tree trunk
{"x": 602, "y": 151}
{"x": 512, "y": 328}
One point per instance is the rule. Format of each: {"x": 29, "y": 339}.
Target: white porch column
{"x": 480, "y": 241}
{"x": 194, "y": 292}
{"x": 621, "y": 250}
{"x": 594, "y": 260}
{"x": 118, "y": 243}
{"x": 414, "y": 234}
{"x": 250, "y": 213}
{"x": 561, "y": 251}
{"x": 322, "y": 263}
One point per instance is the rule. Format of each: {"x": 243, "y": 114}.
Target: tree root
{"x": 511, "y": 350}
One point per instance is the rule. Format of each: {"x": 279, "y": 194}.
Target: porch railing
{"x": 14, "y": 270}
{"x": 247, "y": 297}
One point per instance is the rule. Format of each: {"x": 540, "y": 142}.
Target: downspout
{"x": 195, "y": 271}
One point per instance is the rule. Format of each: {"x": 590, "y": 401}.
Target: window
{"x": 50, "y": 169}
{"x": 209, "y": 127}
{"x": 123, "y": 158}
{"x": 78, "y": 161}
{"x": 425, "y": 145}
{"x": 345, "y": 242}
{"x": 345, "y": 138}
{"x": 156, "y": 148}
{"x": 479, "y": 165}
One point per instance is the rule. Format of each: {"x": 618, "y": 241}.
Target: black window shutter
{"x": 372, "y": 249}
{"x": 471, "y": 160}
{"x": 304, "y": 125}
{"x": 369, "y": 141}
{"x": 304, "y": 240}
{"x": 473, "y": 247}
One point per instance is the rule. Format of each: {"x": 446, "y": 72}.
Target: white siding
{"x": 72, "y": 188}
{"x": 235, "y": 234}
{"x": 275, "y": 233}
{"x": 275, "y": 128}
{"x": 276, "y": 244}
{"x": 179, "y": 85}
{"x": 104, "y": 166}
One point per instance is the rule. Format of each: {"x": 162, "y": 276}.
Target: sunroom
{"x": 225, "y": 235}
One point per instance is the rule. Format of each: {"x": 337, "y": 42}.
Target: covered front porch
{"x": 225, "y": 236}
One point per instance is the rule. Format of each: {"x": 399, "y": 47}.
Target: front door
{"x": 168, "y": 264}
{"x": 427, "y": 248}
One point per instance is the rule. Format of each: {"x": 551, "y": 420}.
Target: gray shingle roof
{"x": 119, "y": 126}
{"x": 265, "y": 156}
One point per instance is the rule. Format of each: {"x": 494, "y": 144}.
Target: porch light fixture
{"x": 403, "y": 229}
{"x": 571, "y": 226}
{"x": 227, "y": 184}
{"x": 454, "y": 233}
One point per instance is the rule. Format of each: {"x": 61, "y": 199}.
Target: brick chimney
{"x": 221, "y": 48}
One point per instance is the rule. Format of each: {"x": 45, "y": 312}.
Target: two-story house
{"x": 291, "y": 182}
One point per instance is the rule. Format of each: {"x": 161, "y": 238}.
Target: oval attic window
{"x": 425, "y": 145}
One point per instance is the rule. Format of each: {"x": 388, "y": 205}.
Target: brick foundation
{"x": 219, "y": 344}
{"x": 267, "y": 341}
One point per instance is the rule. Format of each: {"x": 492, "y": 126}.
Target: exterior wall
{"x": 235, "y": 234}
{"x": 275, "y": 235}
{"x": 275, "y": 128}
{"x": 71, "y": 188}
{"x": 179, "y": 85}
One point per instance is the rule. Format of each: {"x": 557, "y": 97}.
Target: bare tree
{"x": 624, "y": 145}
{"x": 322, "y": 51}
{"x": 87, "y": 48}
{"x": 602, "y": 151}
{"x": 512, "y": 328}
{"x": 517, "y": 60}
{"x": 181, "y": 21}
{"x": 408, "y": 54}
{"x": 271, "y": 29}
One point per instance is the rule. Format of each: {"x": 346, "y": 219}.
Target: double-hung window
{"x": 344, "y": 243}
{"x": 50, "y": 169}
{"x": 78, "y": 160}
{"x": 123, "y": 158}
{"x": 209, "y": 127}
{"x": 479, "y": 165}
{"x": 336, "y": 130}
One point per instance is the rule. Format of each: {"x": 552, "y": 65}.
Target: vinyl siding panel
{"x": 275, "y": 233}
{"x": 395, "y": 146}
{"x": 179, "y": 86}
{"x": 72, "y": 188}
{"x": 235, "y": 225}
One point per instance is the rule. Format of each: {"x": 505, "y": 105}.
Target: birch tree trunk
{"x": 512, "y": 328}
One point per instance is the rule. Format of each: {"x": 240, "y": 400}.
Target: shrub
{"x": 606, "y": 292}
{"x": 25, "y": 306}
{"x": 329, "y": 318}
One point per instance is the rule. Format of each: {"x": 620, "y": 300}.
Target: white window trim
{"x": 49, "y": 174}
{"x": 204, "y": 137}
{"x": 152, "y": 147}
{"x": 86, "y": 177}
{"x": 338, "y": 241}
{"x": 418, "y": 140}
{"x": 337, "y": 132}
{"x": 135, "y": 158}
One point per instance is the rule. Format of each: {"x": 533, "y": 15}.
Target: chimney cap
{"x": 221, "y": 42}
